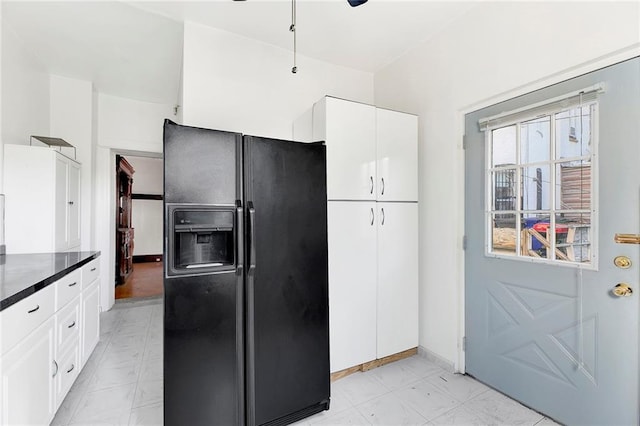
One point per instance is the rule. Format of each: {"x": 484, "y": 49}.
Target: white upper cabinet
{"x": 372, "y": 153}
{"x": 349, "y": 129}
{"x": 397, "y": 156}
{"x": 42, "y": 196}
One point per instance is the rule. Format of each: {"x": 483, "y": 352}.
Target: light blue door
{"x": 551, "y": 178}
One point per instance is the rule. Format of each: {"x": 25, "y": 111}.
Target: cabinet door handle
{"x": 382, "y": 211}
{"x": 371, "y": 191}
{"x": 93, "y": 269}
{"x": 372, "y": 216}
{"x": 56, "y": 372}
{"x": 70, "y": 203}
{"x": 71, "y": 325}
{"x": 71, "y": 369}
{"x": 73, "y": 283}
{"x": 382, "y": 186}
{"x": 34, "y": 309}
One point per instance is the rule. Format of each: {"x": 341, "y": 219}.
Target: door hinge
{"x": 464, "y": 242}
{"x": 464, "y": 141}
{"x": 464, "y": 344}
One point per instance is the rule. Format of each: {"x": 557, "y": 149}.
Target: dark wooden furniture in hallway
{"x": 124, "y": 229}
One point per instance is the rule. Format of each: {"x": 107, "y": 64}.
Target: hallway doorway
{"x": 142, "y": 251}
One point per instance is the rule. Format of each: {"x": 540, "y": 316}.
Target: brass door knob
{"x": 622, "y": 290}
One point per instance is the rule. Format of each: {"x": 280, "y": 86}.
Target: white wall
{"x": 125, "y": 126}
{"x": 25, "y": 92}
{"x": 493, "y": 49}
{"x": 71, "y": 118}
{"x": 147, "y": 214}
{"x": 238, "y": 84}
{"x": 128, "y": 124}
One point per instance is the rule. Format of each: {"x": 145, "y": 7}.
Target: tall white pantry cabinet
{"x": 372, "y": 191}
{"x": 42, "y": 196}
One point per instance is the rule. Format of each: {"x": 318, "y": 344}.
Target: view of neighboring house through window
{"x": 539, "y": 180}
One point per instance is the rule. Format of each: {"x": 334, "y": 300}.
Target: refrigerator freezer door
{"x": 203, "y": 362}
{"x": 287, "y": 291}
{"x": 201, "y": 166}
{"x": 203, "y": 312}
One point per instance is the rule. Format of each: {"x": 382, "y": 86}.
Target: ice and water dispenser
{"x": 201, "y": 239}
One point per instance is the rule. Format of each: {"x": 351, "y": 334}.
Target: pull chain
{"x": 292, "y": 28}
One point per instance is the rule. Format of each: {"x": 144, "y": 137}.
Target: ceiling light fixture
{"x": 292, "y": 28}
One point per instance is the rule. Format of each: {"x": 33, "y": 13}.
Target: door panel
{"x": 74, "y": 204}
{"x": 287, "y": 294}
{"x": 202, "y": 363}
{"x": 397, "y": 278}
{"x": 550, "y": 336}
{"x": 352, "y": 282}
{"x": 62, "y": 208}
{"x": 351, "y": 150}
{"x": 397, "y": 156}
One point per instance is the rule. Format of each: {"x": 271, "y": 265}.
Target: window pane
{"x": 534, "y": 242}
{"x": 573, "y": 237}
{"x": 503, "y": 146}
{"x": 503, "y": 229}
{"x": 573, "y": 185}
{"x": 573, "y": 132}
{"x": 504, "y": 189}
{"x": 536, "y": 188}
{"x": 535, "y": 140}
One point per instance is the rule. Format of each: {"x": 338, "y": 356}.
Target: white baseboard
{"x": 436, "y": 359}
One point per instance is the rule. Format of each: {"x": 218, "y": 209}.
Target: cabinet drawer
{"x": 68, "y": 324}
{"x": 90, "y": 273}
{"x": 67, "y": 288}
{"x": 68, "y": 370}
{"x": 17, "y": 321}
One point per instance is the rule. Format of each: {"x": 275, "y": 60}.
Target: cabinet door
{"x": 351, "y": 150}
{"x": 397, "y": 278}
{"x": 68, "y": 370}
{"x": 73, "y": 204}
{"x": 352, "y": 283}
{"x": 90, "y": 320}
{"x": 27, "y": 382}
{"x": 397, "y": 156}
{"x": 61, "y": 241}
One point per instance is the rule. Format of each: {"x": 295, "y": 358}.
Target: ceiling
{"x": 134, "y": 48}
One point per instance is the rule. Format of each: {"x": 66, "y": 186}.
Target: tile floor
{"x": 122, "y": 385}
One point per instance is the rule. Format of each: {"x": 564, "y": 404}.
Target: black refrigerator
{"x": 246, "y": 324}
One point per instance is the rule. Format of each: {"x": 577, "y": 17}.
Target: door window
{"x": 540, "y": 178}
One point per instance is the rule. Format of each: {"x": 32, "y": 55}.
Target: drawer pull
{"x": 56, "y": 364}
{"x": 93, "y": 269}
{"x": 71, "y": 369}
{"x": 71, "y": 325}
{"x": 73, "y": 283}
{"x": 34, "y": 309}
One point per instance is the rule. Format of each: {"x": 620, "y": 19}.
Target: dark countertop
{"x": 21, "y": 275}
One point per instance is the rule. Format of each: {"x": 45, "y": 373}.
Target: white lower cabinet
{"x": 28, "y": 370}
{"x": 397, "y": 319}
{"x": 90, "y": 320}
{"x": 352, "y": 283}
{"x": 48, "y": 343}
{"x": 68, "y": 368}
{"x": 373, "y": 280}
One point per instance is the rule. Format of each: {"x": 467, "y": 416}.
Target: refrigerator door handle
{"x": 239, "y": 238}
{"x": 252, "y": 241}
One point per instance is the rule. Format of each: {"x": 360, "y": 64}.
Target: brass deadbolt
{"x": 622, "y": 262}
{"x": 622, "y": 290}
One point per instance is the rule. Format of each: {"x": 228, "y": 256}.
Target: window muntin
{"x": 540, "y": 204}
